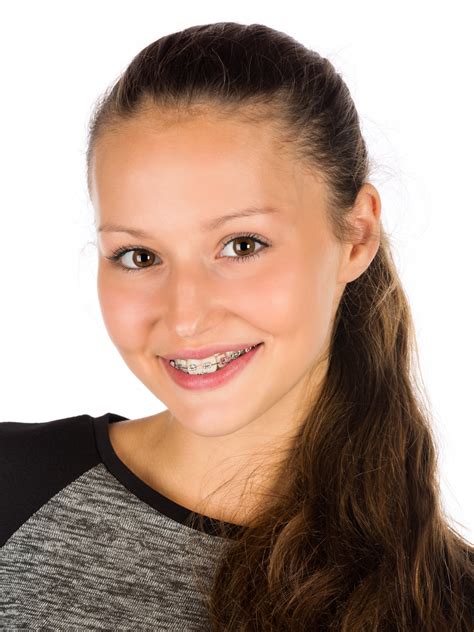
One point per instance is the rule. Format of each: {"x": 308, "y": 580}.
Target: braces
{"x": 222, "y": 360}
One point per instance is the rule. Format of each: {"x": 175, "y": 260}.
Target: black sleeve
{"x": 37, "y": 460}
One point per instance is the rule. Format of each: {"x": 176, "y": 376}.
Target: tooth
{"x": 210, "y": 365}
{"x": 221, "y": 360}
{"x": 194, "y": 369}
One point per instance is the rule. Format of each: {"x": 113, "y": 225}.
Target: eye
{"x": 139, "y": 255}
{"x": 248, "y": 252}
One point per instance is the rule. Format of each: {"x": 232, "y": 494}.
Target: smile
{"x": 209, "y": 365}
{"x": 198, "y": 378}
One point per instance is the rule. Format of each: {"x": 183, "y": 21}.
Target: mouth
{"x": 216, "y": 362}
{"x": 215, "y": 376}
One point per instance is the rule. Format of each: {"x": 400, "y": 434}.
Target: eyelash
{"x": 117, "y": 254}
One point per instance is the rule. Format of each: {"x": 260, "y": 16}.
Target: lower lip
{"x": 211, "y": 380}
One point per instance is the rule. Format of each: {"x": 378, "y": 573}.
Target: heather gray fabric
{"x": 95, "y": 556}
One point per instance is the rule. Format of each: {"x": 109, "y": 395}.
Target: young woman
{"x": 246, "y": 279}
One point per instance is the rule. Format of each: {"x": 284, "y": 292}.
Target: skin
{"x": 166, "y": 178}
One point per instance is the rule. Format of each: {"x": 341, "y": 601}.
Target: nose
{"x": 192, "y": 306}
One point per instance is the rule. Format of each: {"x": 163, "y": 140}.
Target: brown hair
{"x": 353, "y": 536}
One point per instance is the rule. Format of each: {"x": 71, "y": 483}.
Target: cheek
{"x": 295, "y": 299}
{"x": 123, "y": 310}
{"x": 297, "y": 314}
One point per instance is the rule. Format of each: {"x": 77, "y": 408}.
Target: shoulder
{"x": 37, "y": 459}
{"x": 36, "y": 443}
{"x": 17, "y": 433}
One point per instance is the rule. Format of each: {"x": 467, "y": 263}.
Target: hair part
{"x": 352, "y": 537}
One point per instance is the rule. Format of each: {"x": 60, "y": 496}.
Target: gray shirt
{"x": 86, "y": 544}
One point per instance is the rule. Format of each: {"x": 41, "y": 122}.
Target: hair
{"x": 353, "y": 536}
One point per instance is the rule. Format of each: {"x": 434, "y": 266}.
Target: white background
{"x": 409, "y": 69}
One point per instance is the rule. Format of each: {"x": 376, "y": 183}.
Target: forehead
{"x": 199, "y": 144}
{"x": 200, "y": 162}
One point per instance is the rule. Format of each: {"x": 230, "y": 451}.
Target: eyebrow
{"x": 208, "y": 226}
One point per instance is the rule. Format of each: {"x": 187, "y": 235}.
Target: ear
{"x": 365, "y": 218}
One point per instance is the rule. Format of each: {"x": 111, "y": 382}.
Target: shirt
{"x": 86, "y": 544}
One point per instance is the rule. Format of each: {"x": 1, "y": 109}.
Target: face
{"x": 191, "y": 290}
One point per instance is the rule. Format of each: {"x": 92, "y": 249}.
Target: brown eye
{"x": 245, "y": 245}
{"x": 141, "y": 258}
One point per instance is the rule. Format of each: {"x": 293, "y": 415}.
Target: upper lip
{"x": 205, "y": 352}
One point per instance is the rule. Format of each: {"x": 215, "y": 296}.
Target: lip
{"x": 205, "y": 352}
{"x": 212, "y": 380}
